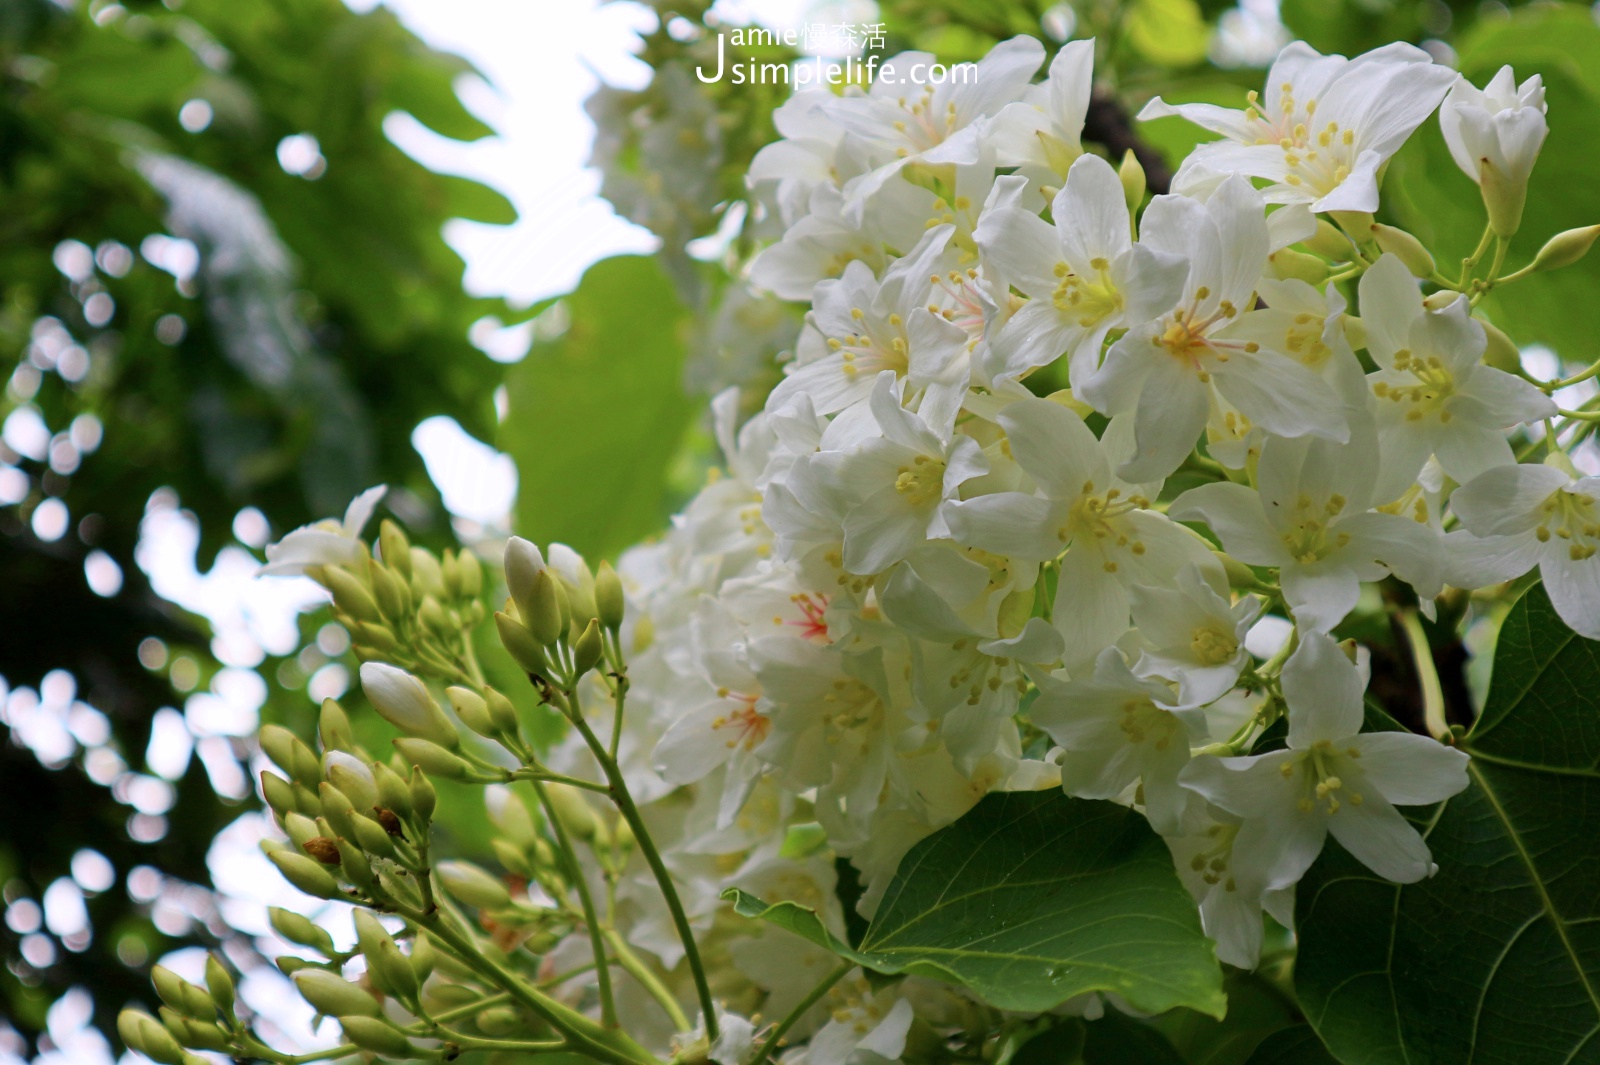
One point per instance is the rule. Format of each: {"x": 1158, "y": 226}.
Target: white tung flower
{"x": 1193, "y": 634}
{"x": 1325, "y": 127}
{"x": 1331, "y": 778}
{"x": 1494, "y": 135}
{"x": 325, "y": 543}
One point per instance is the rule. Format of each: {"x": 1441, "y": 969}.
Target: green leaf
{"x": 596, "y": 416}
{"x": 1496, "y": 958}
{"x": 1256, "y": 1009}
{"x": 1292, "y": 1046}
{"x": 1031, "y": 899}
{"x": 1172, "y": 33}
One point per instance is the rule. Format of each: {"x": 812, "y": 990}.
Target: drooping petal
{"x": 1378, "y": 837}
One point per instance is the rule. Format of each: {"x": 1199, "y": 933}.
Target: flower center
{"x": 1143, "y": 720}
{"x": 1093, "y": 519}
{"x": 1323, "y": 787}
{"x": 1089, "y": 300}
{"x": 1213, "y": 646}
{"x": 1308, "y": 540}
{"x": 1570, "y": 516}
{"x": 750, "y": 727}
{"x": 1435, "y": 385}
{"x": 1212, "y": 863}
{"x": 922, "y": 482}
{"x": 1320, "y": 161}
{"x": 872, "y": 351}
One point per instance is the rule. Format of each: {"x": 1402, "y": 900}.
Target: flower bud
{"x": 301, "y": 829}
{"x": 288, "y": 964}
{"x": 351, "y": 776}
{"x": 428, "y": 755}
{"x": 424, "y": 956}
{"x": 1329, "y": 243}
{"x": 1355, "y": 332}
{"x": 290, "y": 755}
{"x": 376, "y": 638}
{"x": 220, "y": 984}
{"x": 297, "y": 928}
{"x": 306, "y": 874}
{"x": 512, "y": 857}
{"x": 577, "y": 581}
{"x": 588, "y": 649}
{"x": 404, "y": 702}
{"x": 1358, "y": 224}
{"x": 473, "y": 886}
{"x": 181, "y": 995}
{"x": 1131, "y": 174}
{"x": 393, "y": 795}
{"x": 469, "y": 576}
{"x": 1501, "y": 352}
{"x": 203, "y": 1035}
{"x": 523, "y": 564}
{"x": 338, "y": 809}
{"x": 545, "y": 613}
{"x": 1291, "y": 264}
{"x": 333, "y": 728}
{"x": 609, "y": 599}
{"x": 395, "y": 548}
{"x": 355, "y": 866}
{"x": 472, "y": 709}
{"x": 576, "y": 815}
{"x": 278, "y": 793}
{"x": 501, "y": 712}
{"x": 333, "y": 996}
{"x": 423, "y": 798}
{"x": 369, "y": 1033}
{"x": 393, "y": 597}
{"x": 371, "y": 836}
{"x": 350, "y": 595}
{"x": 1565, "y": 248}
{"x": 1405, "y": 247}
{"x": 499, "y": 1021}
{"x": 520, "y": 644}
{"x": 146, "y": 1035}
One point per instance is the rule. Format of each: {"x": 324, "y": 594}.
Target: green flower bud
{"x": 351, "y": 596}
{"x": 433, "y": 758}
{"x": 393, "y": 597}
{"x": 1291, "y": 264}
{"x": 1329, "y": 243}
{"x": 1502, "y": 351}
{"x": 290, "y": 755}
{"x": 334, "y": 996}
{"x": 470, "y": 576}
{"x": 145, "y": 1034}
{"x": 1405, "y": 247}
{"x": 220, "y": 984}
{"x": 300, "y": 829}
{"x": 305, "y": 873}
{"x": 580, "y": 595}
{"x": 377, "y": 638}
{"x": 423, "y": 798}
{"x": 353, "y": 777}
{"x": 511, "y": 856}
{"x": 203, "y": 1035}
{"x": 369, "y": 1033}
{"x": 520, "y": 644}
{"x": 297, "y": 928}
{"x": 472, "y": 709}
{"x": 1358, "y": 224}
{"x": 1131, "y": 174}
{"x": 355, "y": 866}
{"x": 609, "y": 599}
{"x": 181, "y": 995}
{"x": 545, "y": 614}
{"x": 372, "y": 837}
{"x": 576, "y": 815}
{"x": 499, "y": 1021}
{"x": 338, "y": 809}
{"x": 435, "y": 619}
{"x": 473, "y": 886}
{"x": 588, "y": 649}
{"x": 424, "y": 956}
{"x": 427, "y": 575}
{"x": 391, "y": 971}
{"x": 279, "y": 794}
{"x": 404, "y": 702}
{"x": 1566, "y": 248}
{"x": 501, "y": 712}
{"x": 288, "y": 964}
{"x": 396, "y": 549}
{"x": 392, "y": 791}
{"x": 333, "y": 728}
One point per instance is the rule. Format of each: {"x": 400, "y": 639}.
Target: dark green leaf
{"x": 1497, "y": 958}
{"x": 1031, "y": 899}
{"x": 1292, "y": 1046}
{"x": 1256, "y": 1009}
{"x": 596, "y": 416}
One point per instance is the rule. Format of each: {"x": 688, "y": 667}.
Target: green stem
{"x": 591, "y": 921}
{"x": 630, "y": 813}
{"x": 1471, "y": 261}
{"x": 1427, "y": 673}
{"x": 652, "y": 983}
{"x": 544, "y": 776}
{"x": 585, "y": 1036}
{"x": 1551, "y": 386}
{"x": 799, "y": 1011}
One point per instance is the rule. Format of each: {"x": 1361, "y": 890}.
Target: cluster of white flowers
{"x": 909, "y": 541}
{"x": 920, "y": 579}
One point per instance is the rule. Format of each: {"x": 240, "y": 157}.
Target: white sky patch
{"x": 478, "y": 483}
